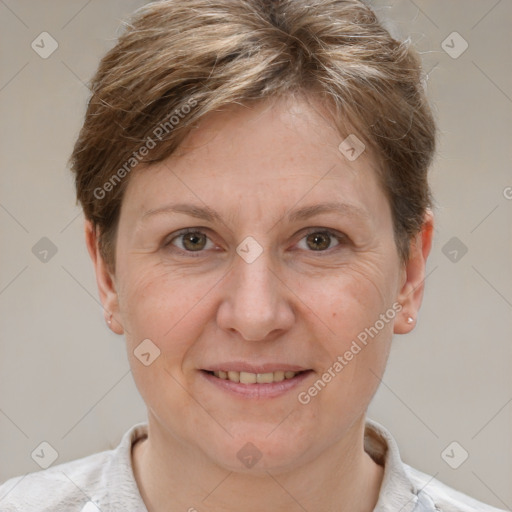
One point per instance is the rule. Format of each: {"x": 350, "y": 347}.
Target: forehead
{"x": 271, "y": 154}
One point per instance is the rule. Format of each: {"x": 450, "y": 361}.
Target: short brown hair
{"x": 179, "y": 60}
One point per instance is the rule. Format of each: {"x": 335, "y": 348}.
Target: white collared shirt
{"x": 104, "y": 482}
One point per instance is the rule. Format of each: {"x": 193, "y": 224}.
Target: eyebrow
{"x": 206, "y": 213}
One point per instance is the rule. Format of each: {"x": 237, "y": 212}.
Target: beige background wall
{"x": 64, "y": 377}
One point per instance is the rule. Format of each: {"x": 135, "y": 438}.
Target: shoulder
{"x": 56, "y": 488}
{"x": 408, "y": 489}
{"x": 105, "y": 479}
{"x": 443, "y": 497}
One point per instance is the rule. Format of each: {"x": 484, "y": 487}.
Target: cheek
{"x": 352, "y": 300}
{"x": 357, "y": 310}
{"x": 165, "y": 307}
{"x": 352, "y": 356}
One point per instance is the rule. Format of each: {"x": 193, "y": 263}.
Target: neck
{"x": 170, "y": 473}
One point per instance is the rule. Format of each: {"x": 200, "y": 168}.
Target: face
{"x": 268, "y": 280}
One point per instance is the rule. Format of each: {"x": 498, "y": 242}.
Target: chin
{"x": 259, "y": 451}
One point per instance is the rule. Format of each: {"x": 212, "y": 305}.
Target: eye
{"x": 193, "y": 240}
{"x": 319, "y": 240}
{"x": 190, "y": 240}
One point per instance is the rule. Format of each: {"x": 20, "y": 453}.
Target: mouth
{"x": 255, "y": 378}
{"x": 251, "y": 385}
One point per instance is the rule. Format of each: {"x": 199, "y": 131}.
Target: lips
{"x": 248, "y": 389}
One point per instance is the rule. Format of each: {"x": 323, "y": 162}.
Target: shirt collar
{"x": 122, "y": 490}
{"x": 397, "y": 492}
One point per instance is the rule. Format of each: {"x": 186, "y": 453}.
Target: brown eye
{"x": 319, "y": 240}
{"x": 189, "y": 241}
{"x": 194, "y": 241}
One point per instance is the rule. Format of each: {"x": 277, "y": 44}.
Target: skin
{"x": 295, "y": 304}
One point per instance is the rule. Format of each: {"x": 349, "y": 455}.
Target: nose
{"x": 256, "y": 302}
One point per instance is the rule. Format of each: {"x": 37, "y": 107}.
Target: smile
{"x": 256, "y": 385}
{"x": 253, "y": 378}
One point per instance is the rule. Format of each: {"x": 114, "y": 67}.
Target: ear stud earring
{"x": 410, "y": 319}
{"x": 110, "y": 319}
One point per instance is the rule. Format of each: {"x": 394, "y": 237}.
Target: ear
{"x": 411, "y": 293}
{"x": 104, "y": 280}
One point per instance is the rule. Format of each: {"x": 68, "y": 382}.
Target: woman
{"x": 254, "y": 180}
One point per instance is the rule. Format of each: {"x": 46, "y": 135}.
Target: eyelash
{"x": 340, "y": 238}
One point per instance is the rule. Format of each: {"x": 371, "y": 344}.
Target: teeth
{"x": 279, "y": 376}
{"x": 233, "y": 376}
{"x": 248, "y": 378}
{"x": 253, "y": 378}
